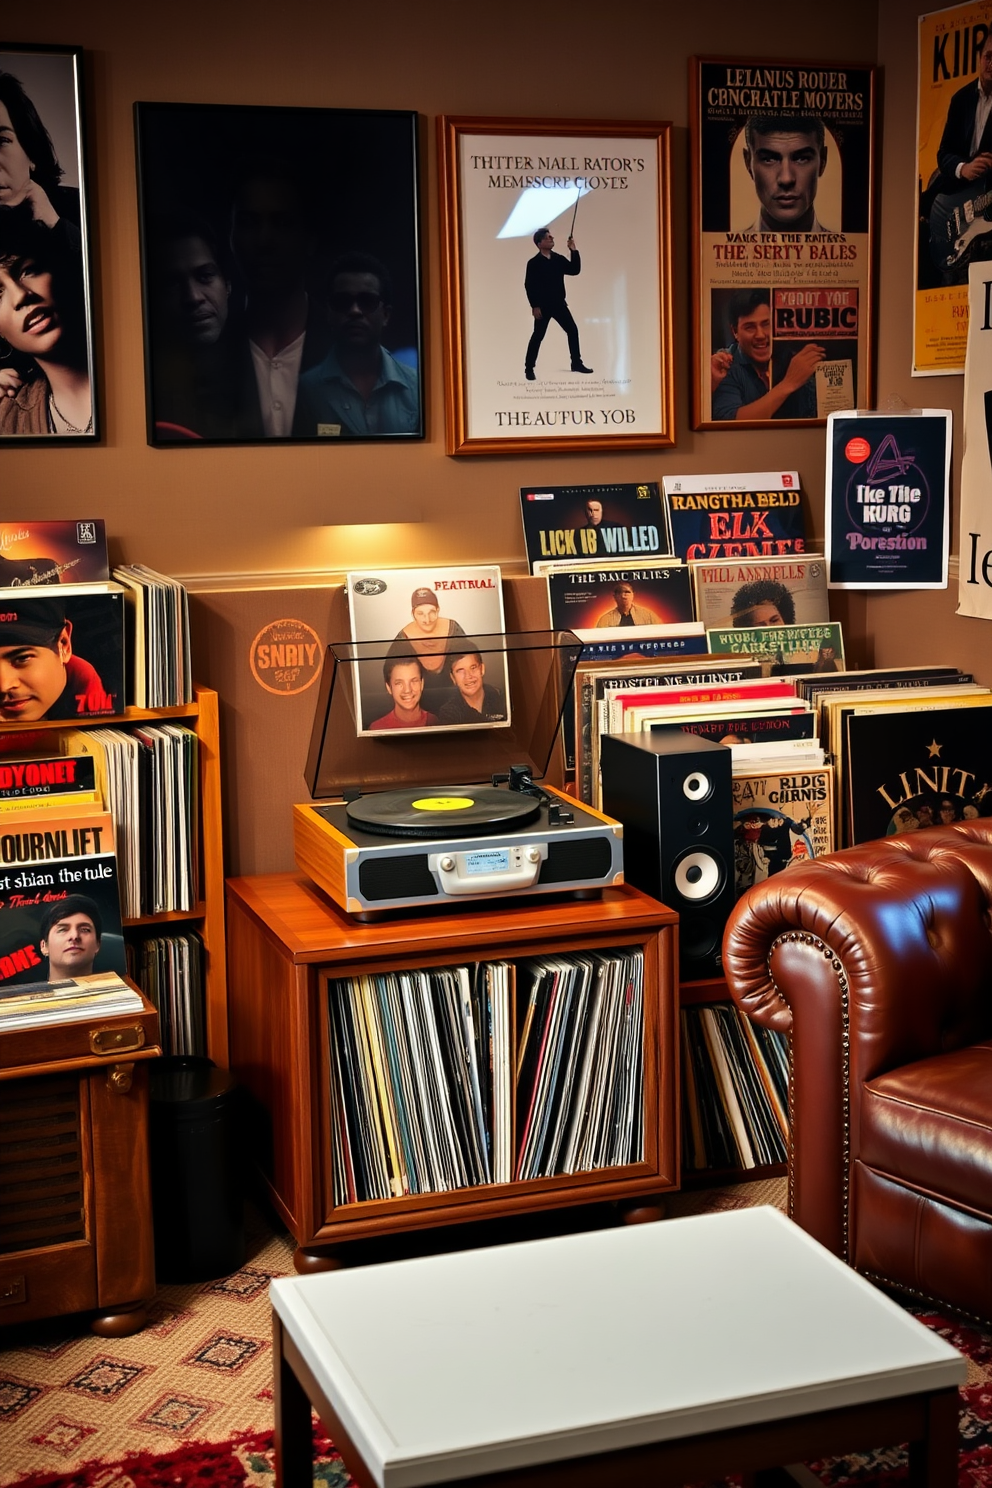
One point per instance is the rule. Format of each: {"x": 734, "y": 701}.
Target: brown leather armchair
{"x": 878, "y": 963}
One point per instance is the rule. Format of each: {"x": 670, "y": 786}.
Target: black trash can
{"x": 196, "y": 1164}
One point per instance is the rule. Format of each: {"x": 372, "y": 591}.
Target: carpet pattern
{"x": 187, "y": 1403}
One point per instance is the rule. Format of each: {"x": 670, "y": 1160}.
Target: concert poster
{"x": 783, "y": 205}
{"x": 953, "y": 229}
{"x": 547, "y": 346}
{"x": 888, "y": 500}
{"x": 743, "y": 515}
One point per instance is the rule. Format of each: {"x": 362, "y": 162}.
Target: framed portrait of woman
{"x": 47, "y": 384}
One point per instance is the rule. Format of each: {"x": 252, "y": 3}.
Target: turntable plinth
{"x": 289, "y": 943}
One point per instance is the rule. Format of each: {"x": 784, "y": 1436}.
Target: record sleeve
{"x": 67, "y": 644}
{"x": 614, "y": 523}
{"x": 761, "y": 591}
{"x": 614, "y": 599}
{"x": 779, "y": 819}
{"x": 785, "y": 649}
{"x": 59, "y": 904}
{"x": 33, "y": 553}
{"x": 437, "y": 671}
{"x": 753, "y": 515}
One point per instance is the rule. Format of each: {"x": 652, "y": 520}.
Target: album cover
{"x": 780, "y": 819}
{"x": 615, "y": 599}
{"x": 439, "y": 659}
{"x": 761, "y": 591}
{"x": 55, "y": 781}
{"x": 785, "y": 649}
{"x": 60, "y": 910}
{"x": 753, "y": 515}
{"x": 619, "y": 522}
{"x": 65, "y": 649}
{"x": 52, "y": 553}
{"x": 907, "y": 769}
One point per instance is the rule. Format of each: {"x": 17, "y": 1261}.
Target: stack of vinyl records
{"x": 148, "y": 777}
{"x": 158, "y": 633}
{"x": 431, "y": 1092}
{"x": 169, "y": 969}
{"x": 735, "y": 1090}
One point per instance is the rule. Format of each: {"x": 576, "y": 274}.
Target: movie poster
{"x": 954, "y": 180}
{"x": 888, "y": 500}
{"x": 558, "y": 291}
{"x": 783, "y": 204}
{"x": 975, "y": 573}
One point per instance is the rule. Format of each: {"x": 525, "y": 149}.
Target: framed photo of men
{"x": 783, "y": 208}
{"x": 47, "y": 383}
{"x": 281, "y": 274}
{"x": 557, "y": 285}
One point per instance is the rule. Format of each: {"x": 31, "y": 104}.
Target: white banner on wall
{"x": 975, "y": 582}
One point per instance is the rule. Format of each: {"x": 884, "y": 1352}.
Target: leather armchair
{"x": 877, "y": 961}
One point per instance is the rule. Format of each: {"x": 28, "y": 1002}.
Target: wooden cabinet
{"x": 287, "y": 943}
{"x": 75, "y": 1195}
{"x": 207, "y": 916}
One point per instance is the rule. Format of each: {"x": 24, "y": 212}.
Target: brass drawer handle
{"x": 116, "y": 1040}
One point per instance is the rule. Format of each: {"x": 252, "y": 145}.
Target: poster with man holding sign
{"x": 557, "y": 285}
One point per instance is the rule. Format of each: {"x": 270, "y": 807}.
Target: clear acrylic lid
{"x": 538, "y": 667}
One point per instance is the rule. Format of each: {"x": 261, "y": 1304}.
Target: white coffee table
{"x": 660, "y": 1353}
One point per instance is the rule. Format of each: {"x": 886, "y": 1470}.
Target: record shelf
{"x": 692, "y": 994}
{"x": 201, "y": 715}
{"x": 288, "y": 944}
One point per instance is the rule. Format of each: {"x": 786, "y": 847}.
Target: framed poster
{"x": 557, "y": 285}
{"x": 47, "y": 387}
{"x": 954, "y": 179}
{"x": 281, "y": 273}
{"x": 782, "y": 215}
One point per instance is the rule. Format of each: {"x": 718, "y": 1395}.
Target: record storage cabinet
{"x": 287, "y": 941}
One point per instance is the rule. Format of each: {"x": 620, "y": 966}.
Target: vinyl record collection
{"x": 169, "y": 968}
{"x": 735, "y": 1090}
{"x": 157, "y": 625}
{"x": 148, "y": 777}
{"x": 432, "y": 1091}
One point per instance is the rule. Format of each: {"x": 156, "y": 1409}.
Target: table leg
{"x": 933, "y": 1462}
{"x": 293, "y": 1426}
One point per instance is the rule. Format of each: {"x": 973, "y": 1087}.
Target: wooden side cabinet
{"x": 287, "y": 946}
{"x": 75, "y": 1193}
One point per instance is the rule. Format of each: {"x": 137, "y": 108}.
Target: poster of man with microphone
{"x": 558, "y": 285}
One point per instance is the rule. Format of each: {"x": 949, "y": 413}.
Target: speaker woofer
{"x": 698, "y": 875}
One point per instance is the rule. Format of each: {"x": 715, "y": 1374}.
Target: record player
{"x": 449, "y": 817}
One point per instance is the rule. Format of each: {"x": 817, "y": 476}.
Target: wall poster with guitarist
{"x": 954, "y": 170}
{"x": 783, "y": 214}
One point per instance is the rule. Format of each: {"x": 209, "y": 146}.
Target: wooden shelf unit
{"x": 693, "y": 994}
{"x": 75, "y": 1191}
{"x": 202, "y": 716}
{"x": 286, "y": 940}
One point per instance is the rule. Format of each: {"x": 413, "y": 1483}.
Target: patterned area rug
{"x": 187, "y": 1403}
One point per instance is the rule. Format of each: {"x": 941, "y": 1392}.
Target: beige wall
{"x": 258, "y": 509}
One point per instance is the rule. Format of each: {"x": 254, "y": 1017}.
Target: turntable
{"x": 395, "y": 838}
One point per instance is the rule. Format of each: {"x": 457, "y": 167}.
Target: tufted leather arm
{"x": 870, "y": 958}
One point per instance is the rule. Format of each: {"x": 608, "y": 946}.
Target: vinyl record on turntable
{"x": 437, "y": 811}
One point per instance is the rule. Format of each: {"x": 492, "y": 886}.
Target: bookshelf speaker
{"x": 671, "y": 791}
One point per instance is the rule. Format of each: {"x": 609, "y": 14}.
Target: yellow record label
{"x": 442, "y": 803}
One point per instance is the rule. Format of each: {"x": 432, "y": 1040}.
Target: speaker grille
{"x": 41, "y": 1164}
{"x": 590, "y": 857}
{"x": 396, "y": 878}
